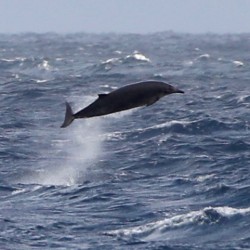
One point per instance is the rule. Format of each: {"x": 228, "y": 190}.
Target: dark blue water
{"x": 174, "y": 175}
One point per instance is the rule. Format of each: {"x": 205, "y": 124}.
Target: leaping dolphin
{"x": 127, "y": 97}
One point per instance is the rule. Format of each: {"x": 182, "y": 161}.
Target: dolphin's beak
{"x": 178, "y": 91}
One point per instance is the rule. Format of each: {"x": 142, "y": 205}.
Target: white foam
{"x": 156, "y": 229}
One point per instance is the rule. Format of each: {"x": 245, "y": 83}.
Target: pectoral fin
{"x": 152, "y": 101}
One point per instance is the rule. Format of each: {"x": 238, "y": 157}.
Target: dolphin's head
{"x": 175, "y": 90}
{"x": 169, "y": 89}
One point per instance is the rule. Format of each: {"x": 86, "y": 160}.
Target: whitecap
{"x": 105, "y": 86}
{"x": 7, "y": 60}
{"x": 59, "y": 59}
{"x": 158, "y": 126}
{"x": 44, "y": 65}
{"x": 141, "y": 57}
{"x": 230, "y": 211}
{"x": 19, "y": 191}
{"x": 188, "y": 63}
{"x": 138, "y": 56}
{"x": 153, "y": 230}
{"x": 111, "y": 60}
{"x": 17, "y": 59}
{"x": 109, "y": 63}
{"x": 28, "y": 189}
{"x": 203, "y": 178}
{"x": 238, "y": 63}
{"x": 118, "y": 52}
{"x": 75, "y": 75}
{"x": 114, "y": 136}
{"x": 21, "y": 59}
{"x": 203, "y": 57}
{"x": 158, "y": 75}
{"x": 243, "y": 99}
{"x": 168, "y": 124}
{"x": 39, "y": 81}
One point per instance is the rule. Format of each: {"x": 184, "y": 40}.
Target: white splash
{"x": 82, "y": 148}
{"x": 74, "y": 150}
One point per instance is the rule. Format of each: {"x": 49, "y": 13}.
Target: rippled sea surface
{"x": 174, "y": 175}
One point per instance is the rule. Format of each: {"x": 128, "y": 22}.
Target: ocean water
{"x": 175, "y": 175}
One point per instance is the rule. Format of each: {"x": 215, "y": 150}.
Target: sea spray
{"x": 83, "y": 149}
{"x": 76, "y": 149}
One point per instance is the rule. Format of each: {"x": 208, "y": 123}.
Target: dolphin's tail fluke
{"x": 69, "y": 116}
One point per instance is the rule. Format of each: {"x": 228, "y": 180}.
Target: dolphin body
{"x": 127, "y": 97}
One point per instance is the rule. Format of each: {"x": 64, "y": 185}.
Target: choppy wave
{"x": 161, "y": 230}
{"x": 174, "y": 175}
{"x": 136, "y": 58}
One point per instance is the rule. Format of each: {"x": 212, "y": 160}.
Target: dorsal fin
{"x": 102, "y": 95}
